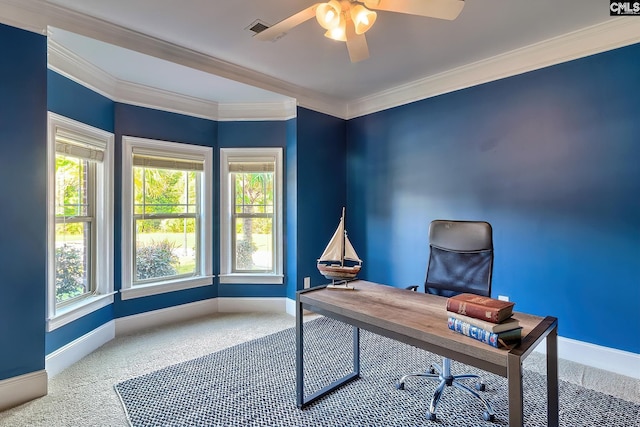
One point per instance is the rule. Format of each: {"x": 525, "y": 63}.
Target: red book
{"x": 485, "y": 308}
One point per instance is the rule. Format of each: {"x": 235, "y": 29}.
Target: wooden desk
{"x": 420, "y": 320}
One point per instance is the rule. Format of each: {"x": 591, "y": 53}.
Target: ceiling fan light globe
{"x": 328, "y": 14}
{"x": 362, "y": 18}
{"x": 338, "y": 33}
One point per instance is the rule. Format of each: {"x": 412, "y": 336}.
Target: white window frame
{"x": 226, "y": 206}
{"x": 103, "y": 295}
{"x": 175, "y": 150}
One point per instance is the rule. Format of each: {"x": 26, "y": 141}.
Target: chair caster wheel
{"x": 480, "y": 386}
{"x": 487, "y": 416}
{"x": 400, "y": 386}
{"x": 430, "y": 416}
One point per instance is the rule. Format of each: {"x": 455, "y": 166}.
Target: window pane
{"x": 71, "y": 186}
{"x": 163, "y": 191}
{"x": 72, "y": 260}
{"x": 165, "y": 248}
{"x": 253, "y": 192}
{"x": 253, "y": 244}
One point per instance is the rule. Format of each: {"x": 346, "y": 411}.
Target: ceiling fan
{"x": 348, "y": 20}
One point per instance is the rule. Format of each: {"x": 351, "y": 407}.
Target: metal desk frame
{"x": 509, "y": 367}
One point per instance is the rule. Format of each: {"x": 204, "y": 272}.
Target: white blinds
{"x": 258, "y": 166}
{"x": 79, "y": 146}
{"x": 167, "y": 163}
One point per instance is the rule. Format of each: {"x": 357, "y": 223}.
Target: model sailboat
{"x": 339, "y": 261}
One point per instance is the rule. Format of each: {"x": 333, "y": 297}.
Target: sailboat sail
{"x": 333, "y": 251}
{"x": 331, "y": 263}
{"x": 349, "y": 251}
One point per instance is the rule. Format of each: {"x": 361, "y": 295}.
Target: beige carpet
{"x": 83, "y": 395}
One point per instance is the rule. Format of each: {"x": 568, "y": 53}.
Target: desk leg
{"x": 514, "y": 381}
{"x": 299, "y": 355}
{"x": 356, "y": 350}
{"x": 301, "y": 400}
{"x": 552, "y": 378}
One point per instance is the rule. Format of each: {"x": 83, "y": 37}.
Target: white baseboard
{"x": 139, "y": 322}
{"x": 609, "y": 359}
{"x": 291, "y": 307}
{"x": 245, "y": 305}
{"x": 596, "y": 356}
{"x": 23, "y": 388}
{"x": 66, "y": 356}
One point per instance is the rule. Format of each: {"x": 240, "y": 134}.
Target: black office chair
{"x": 460, "y": 260}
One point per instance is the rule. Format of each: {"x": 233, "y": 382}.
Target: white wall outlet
{"x": 307, "y": 282}
{"x": 503, "y": 298}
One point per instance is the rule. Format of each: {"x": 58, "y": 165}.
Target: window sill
{"x": 140, "y": 291}
{"x": 253, "y": 279}
{"x": 73, "y": 312}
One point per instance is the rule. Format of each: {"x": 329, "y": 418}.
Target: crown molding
{"x": 35, "y": 15}
{"x": 257, "y": 111}
{"x": 146, "y": 96}
{"x": 67, "y": 63}
{"x": 72, "y": 66}
{"x": 615, "y": 33}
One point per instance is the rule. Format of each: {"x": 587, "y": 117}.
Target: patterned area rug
{"x": 253, "y": 384}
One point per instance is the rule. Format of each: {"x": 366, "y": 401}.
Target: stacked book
{"x": 485, "y": 319}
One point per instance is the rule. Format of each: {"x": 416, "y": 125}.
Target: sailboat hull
{"x": 338, "y": 272}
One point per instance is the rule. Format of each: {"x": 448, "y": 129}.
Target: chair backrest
{"x": 460, "y": 258}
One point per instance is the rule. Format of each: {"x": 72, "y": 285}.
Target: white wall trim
{"x": 66, "y": 356}
{"x": 290, "y": 307}
{"x": 257, "y": 111}
{"x": 68, "y": 64}
{"x": 596, "y": 356}
{"x": 23, "y": 388}
{"x": 178, "y": 313}
{"x": 251, "y": 305}
{"x": 616, "y": 32}
{"x": 33, "y": 385}
{"x": 159, "y": 99}
{"x": 75, "y": 68}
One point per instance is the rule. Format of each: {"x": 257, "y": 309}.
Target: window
{"x": 80, "y": 164}
{"x": 251, "y": 215}
{"x": 166, "y": 222}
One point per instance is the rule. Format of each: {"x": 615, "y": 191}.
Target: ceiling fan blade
{"x": 285, "y": 25}
{"x": 356, "y": 44}
{"x": 441, "y": 9}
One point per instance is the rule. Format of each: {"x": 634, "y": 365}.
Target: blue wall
{"x": 23, "y": 180}
{"x": 549, "y": 158}
{"x": 70, "y": 99}
{"x": 321, "y": 191}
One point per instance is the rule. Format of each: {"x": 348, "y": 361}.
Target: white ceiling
{"x": 212, "y": 34}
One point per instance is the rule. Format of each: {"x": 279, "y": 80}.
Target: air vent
{"x": 257, "y": 26}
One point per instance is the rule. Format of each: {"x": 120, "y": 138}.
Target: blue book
{"x": 500, "y": 339}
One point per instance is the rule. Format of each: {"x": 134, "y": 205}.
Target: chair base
{"x": 446, "y": 379}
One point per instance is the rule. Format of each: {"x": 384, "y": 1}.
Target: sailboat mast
{"x": 344, "y": 234}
